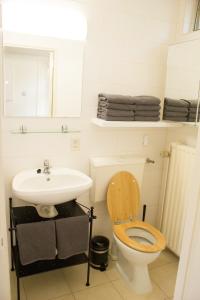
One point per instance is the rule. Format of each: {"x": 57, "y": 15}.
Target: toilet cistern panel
{"x": 102, "y": 170}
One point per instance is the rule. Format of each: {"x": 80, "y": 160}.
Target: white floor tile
{"x": 165, "y": 257}
{"x": 76, "y": 277}
{"x": 165, "y": 277}
{"x": 102, "y": 292}
{"x": 128, "y": 294}
{"x": 112, "y": 272}
{"x": 46, "y": 286}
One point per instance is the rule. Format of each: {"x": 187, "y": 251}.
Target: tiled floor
{"x": 69, "y": 283}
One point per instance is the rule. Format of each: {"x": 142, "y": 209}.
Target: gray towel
{"x": 193, "y": 115}
{"x": 193, "y": 120}
{"x": 191, "y": 103}
{"x": 110, "y": 118}
{"x": 115, "y": 112}
{"x": 72, "y": 236}
{"x": 147, "y": 107}
{"x": 178, "y": 119}
{"x": 36, "y": 241}
{"x": 120, "y": 106}
{"x": 175, "y": 114}
{"x": 169, "y": 108}
{"x": 147, "y": 119}
{"x": 177, "y": 103}
{"x": 146, "y": 113}
{"x": 193, "y": 110}
{"x": 146, "y": 100}
{"x": 116, "y": 98}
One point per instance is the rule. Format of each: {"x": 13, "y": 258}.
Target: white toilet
{"x": 138, "y": 243}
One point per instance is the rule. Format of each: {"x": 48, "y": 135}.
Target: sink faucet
{"x": 46, "y": 167}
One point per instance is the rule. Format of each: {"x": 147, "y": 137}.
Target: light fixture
{"x": 44, "y": 18}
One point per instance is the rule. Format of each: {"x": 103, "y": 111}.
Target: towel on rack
{"x": 119, "y": 106}
{"x": 36, "y": 241}
{"x": 72, "y": 236}
{"x": 177, "y": 103}
{"x": 115, "y": 112}
{"x": 154, "y": 107}
{"x": 146, "y": 100}
{"x": 116, "y": 98}
{"x": 111, "y": 118}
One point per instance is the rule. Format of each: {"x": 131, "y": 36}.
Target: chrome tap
{"x": 46, "y": 167}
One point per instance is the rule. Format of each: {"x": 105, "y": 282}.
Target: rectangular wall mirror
{"x": 42, "y": 70}
{"x": 28, "y": 82}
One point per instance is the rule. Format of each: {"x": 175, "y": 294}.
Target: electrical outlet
{"x": 75, "y": 143}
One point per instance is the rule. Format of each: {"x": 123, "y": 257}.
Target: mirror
{"x": 42, "y": 66}
{"x": 183, "y": 79}
{"x": 28, "y": 82}
{"x": 183, "y": 71}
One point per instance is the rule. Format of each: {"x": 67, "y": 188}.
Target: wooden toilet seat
{"x": 120, "y": 232}
{"x": 123, "y": 201}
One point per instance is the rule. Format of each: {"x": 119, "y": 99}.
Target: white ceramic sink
{"x": 61, "y": 185}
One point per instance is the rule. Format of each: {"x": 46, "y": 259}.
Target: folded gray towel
{"x": 178, "y": 119}
{"x": 193, "y": 110}
{"x": 193, "y": 119}
{"x": 146, "y": 100}
{"x": 120, "y": 106}
{"x": 192, "y": 103}
{"x": 147, "y": 107}
{"x": 193, "y": 115}
{"x": 72, "y": 236}
{"x": 175, "y": 114}
{"x": 146, "y": 113}
{"x": 115, "y": 112}
{"x": 146, "y": 119}
{"x": 169, "y": 108}
{"x": 177, "y": 103}
{"x": 36, "y": 241}
{"x": 110, "y": 118}
{"x": 116, "y": 98}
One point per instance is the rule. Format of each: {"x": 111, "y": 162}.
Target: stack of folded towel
{"x": 193, "y": 110}
{"x": 115, "y": 108}
{"x": 147, "y": 108}
{"x": 175, "y": 110}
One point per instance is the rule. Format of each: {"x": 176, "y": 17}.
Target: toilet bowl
{"x": 138, "y": 243}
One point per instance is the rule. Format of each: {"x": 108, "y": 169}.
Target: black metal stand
{"x": 27, "y": 214}
{"x": 91, "y": 217}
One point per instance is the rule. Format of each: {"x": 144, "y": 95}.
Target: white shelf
{"x": 136, "y": 124}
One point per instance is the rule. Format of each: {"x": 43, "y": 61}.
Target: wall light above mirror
{"x": 48, "y": 39}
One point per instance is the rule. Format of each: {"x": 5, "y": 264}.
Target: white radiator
{"x": 177, "y": 194}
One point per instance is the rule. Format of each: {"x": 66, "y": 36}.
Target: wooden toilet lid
{"x": 123, "y": 201}
{"x": 123, "y": 197}
{"x": 160, "y": 242}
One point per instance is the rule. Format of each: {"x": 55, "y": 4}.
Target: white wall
{"x": 4, "y": 260}
{"x": 125, "y": 53}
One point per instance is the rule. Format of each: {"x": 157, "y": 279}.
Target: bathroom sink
{"x": 61, "y": 185}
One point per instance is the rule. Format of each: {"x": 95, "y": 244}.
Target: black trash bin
{"x": 99, "y": 252}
